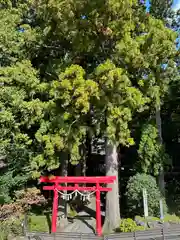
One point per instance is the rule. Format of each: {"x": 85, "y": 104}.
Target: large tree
{"x": 167, "y": 73}
{"x": 20, "y": 108}
{"x": 118, "y": 100}
{"x": 161, "y": 9}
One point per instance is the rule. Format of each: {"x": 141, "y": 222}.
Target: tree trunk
{"x": 161, "y": 182}
{"x": 83, "y": 160}
{"x": 84, "y": 167}
{"x": 112, "y": 215}
{"x": 78, "y": 170}
{"x": 65, "y": 173}
{"x": 63, "y": 202}
{"x": 88, "y": 150}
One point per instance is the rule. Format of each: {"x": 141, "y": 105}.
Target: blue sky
{"x": 176, "y": 4}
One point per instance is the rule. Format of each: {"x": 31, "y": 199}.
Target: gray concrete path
{"x": 85, "y": 222}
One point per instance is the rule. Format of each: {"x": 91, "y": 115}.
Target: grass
{"x": 38, "y": 223}
{"x": 167, "y": 218}
{"x": 13, "y": 227}
{"x": 171, "y": 218}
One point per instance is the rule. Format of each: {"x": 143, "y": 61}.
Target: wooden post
{"x": 98, "y": 211}
{"x": 55, "y": 210}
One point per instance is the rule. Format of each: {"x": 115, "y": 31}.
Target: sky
{"x": 176, "y": 4}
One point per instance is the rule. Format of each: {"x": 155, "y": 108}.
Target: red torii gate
{"x": 56, "y": 180}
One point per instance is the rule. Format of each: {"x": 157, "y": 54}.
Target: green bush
{"x": 134, "y": 195}
{"x": 127, "y": 225}
{"x": 10, "y": 227}
{"x": 3, "y": 231}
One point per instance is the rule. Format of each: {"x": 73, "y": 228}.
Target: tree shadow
{"x": 85, "y": 217}
{"x": 46, "y": 210}
{"x": 86, "y": 223}
{"x": 92, "y": 213}
{"x": 48, "y": 221}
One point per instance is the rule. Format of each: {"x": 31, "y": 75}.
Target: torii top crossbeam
{"x": 57, "y": 179}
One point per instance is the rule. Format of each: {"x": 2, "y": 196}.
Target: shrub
{"x": 135, "y": 197}
{"x": 29, "y": 197}
{"x": 10, "y": 227}
{"x": 25, "y": 200}
{"x": 127, "y": 225}
{"x": 3, "y": 231}
{"x": 7, "y": 211}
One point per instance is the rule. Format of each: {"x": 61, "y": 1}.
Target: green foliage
{"x": 134, "y": 195}
{"x": 20, "y": 112}
{"x": 161, "y": 9}
{"x": 9, "y": 182}
{"x": 11, "y": 227}
{"x": 118, "y": 99}
{"x": 128, "y": 225}
{"x": 15, "y": 45}
{"x": 65, "y": 131}
{"x": 151, "y": 153}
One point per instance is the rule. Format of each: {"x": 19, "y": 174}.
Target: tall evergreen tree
{"x": 161, "y": 9}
